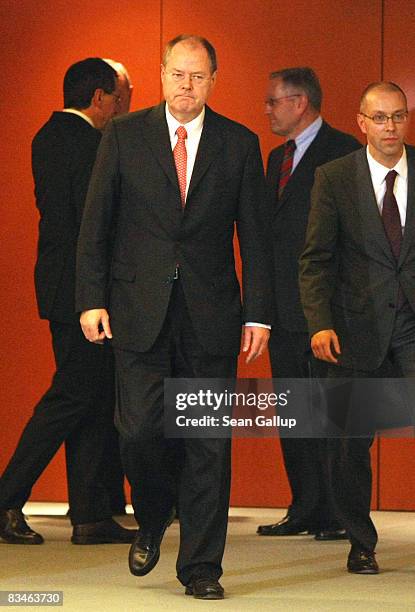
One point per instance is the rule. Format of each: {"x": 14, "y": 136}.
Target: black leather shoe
{"x": 361, "y": 562}
{"x": 103, "y": 532}
{"x": 144, "y": 553}
{"x": 286, "y": 527}
{"x": 15, "y": 530}
{"x": 205, "y": 588}
{"x": 145, "y": 550}
{"x": 325, "y": 535}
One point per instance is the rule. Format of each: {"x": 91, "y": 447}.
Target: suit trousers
{"x": 192, "y": 475}
{"x": 77, "y": 409}
{"x": 350, "y": 470}
{"x": 305, "y": 459}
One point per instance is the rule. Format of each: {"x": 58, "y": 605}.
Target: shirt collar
{"x": 309, "y": 133}
{"x": 75, "y": 111}
{"x": 379, "y": 171}
{"x": 193, "y": 126}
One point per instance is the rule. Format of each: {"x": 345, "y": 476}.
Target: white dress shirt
{"x": 304, "y": 140}
{"x": 75, "y": 111}
{"x": 194, "y": 131}
{"x": 378, "y": 174}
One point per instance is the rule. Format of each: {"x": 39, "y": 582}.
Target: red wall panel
{"x": 397, "y": 457}
{"x": 39, "y": 42}
{"x": 252, "y": 39}
{"x": 396, "y": 474}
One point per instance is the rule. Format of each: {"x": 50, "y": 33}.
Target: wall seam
{"x": 382, "y": 62}
{"x": 382, "y": 40}
{"x": 161, "y": 43}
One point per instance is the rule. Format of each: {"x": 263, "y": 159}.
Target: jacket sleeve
{"x": 95, "y": 238}
{"x": 254, "y": 241}
{"x": 318, "y": 262}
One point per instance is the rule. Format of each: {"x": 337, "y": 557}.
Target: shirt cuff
{"x": 250, "y": 324}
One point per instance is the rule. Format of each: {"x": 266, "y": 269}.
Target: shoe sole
{"x": 282, "y": 535}
{"x": 22, "y": 542}
{"x": 189, "y": 591}
{"x": 84, "y": 540}
{"x": 368, "y": 572}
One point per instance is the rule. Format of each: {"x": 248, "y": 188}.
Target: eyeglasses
{"x": 116, "y": 97}
{"x": 382, "y": 118}
{"x": 273, "y": 101}
{"x": 197, "y": 79}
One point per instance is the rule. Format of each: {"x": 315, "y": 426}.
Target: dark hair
{"x": 83, "y": 78}
{"x": 195, "y": 40}
{"x": 305, "y": 79}
{"x": 385, "y": 86}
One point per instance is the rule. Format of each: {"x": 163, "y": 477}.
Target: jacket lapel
{"x": 273, "y": 176}
{"x": 209, "y": 146}
{"x": 157, "y": 136}
{"x": 368, "y": 207}
{"x": 308, "y": 163}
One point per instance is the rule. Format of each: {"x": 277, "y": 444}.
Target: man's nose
{"x": 390, "y": 124}
{"x": 187, "y": 82}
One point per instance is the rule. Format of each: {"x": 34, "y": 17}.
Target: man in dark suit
{"x": 293, "y": 106}
{"x": 358, "y": 288}
{"x": 78, "y": 407}
{"x": 171, "y": 182}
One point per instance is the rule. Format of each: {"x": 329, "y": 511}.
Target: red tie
{"x": 180, "y": 159}
{"x": 391, "y": 217}
{"x": 286, "y": 166}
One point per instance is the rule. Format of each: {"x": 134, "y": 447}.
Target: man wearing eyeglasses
{"x": 78, "y": 407}
{"x": 171, "y": 183}
{"x": 293, "y": 105}
{"x": 358, "y": 287}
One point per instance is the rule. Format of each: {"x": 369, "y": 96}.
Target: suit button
{"x": 391, "y": 305}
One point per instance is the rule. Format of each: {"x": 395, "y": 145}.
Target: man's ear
{"x": 302, "y": 102}
{"x": 98, "y": 98}
{"x": 162, "y": 72}
{"x": 361, "y": 122}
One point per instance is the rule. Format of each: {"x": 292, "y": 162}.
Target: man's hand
{"x": 323, "y": 343}
{"x": 90, "y": 323}
{"x": 255, "y": 339}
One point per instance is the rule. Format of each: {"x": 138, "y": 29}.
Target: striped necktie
{"x": 180, "y": 159}
{"x": 286, "y": 166}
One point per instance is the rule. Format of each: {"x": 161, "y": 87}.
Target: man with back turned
{"x": 78, "y": 407}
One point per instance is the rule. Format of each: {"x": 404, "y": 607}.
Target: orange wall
{"x": 397, "y": 457}
{"x": 41, "y": 39}
{"x": 342, "y": 40}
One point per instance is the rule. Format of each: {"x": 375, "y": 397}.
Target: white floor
{"x": 260, "y": 573}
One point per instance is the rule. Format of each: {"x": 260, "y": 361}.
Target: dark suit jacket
{"x": 134, "y": 189}
{"x": 290, "y": 215}
{"x": 63, "y": 154}
{"x": 349, "y": 277}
